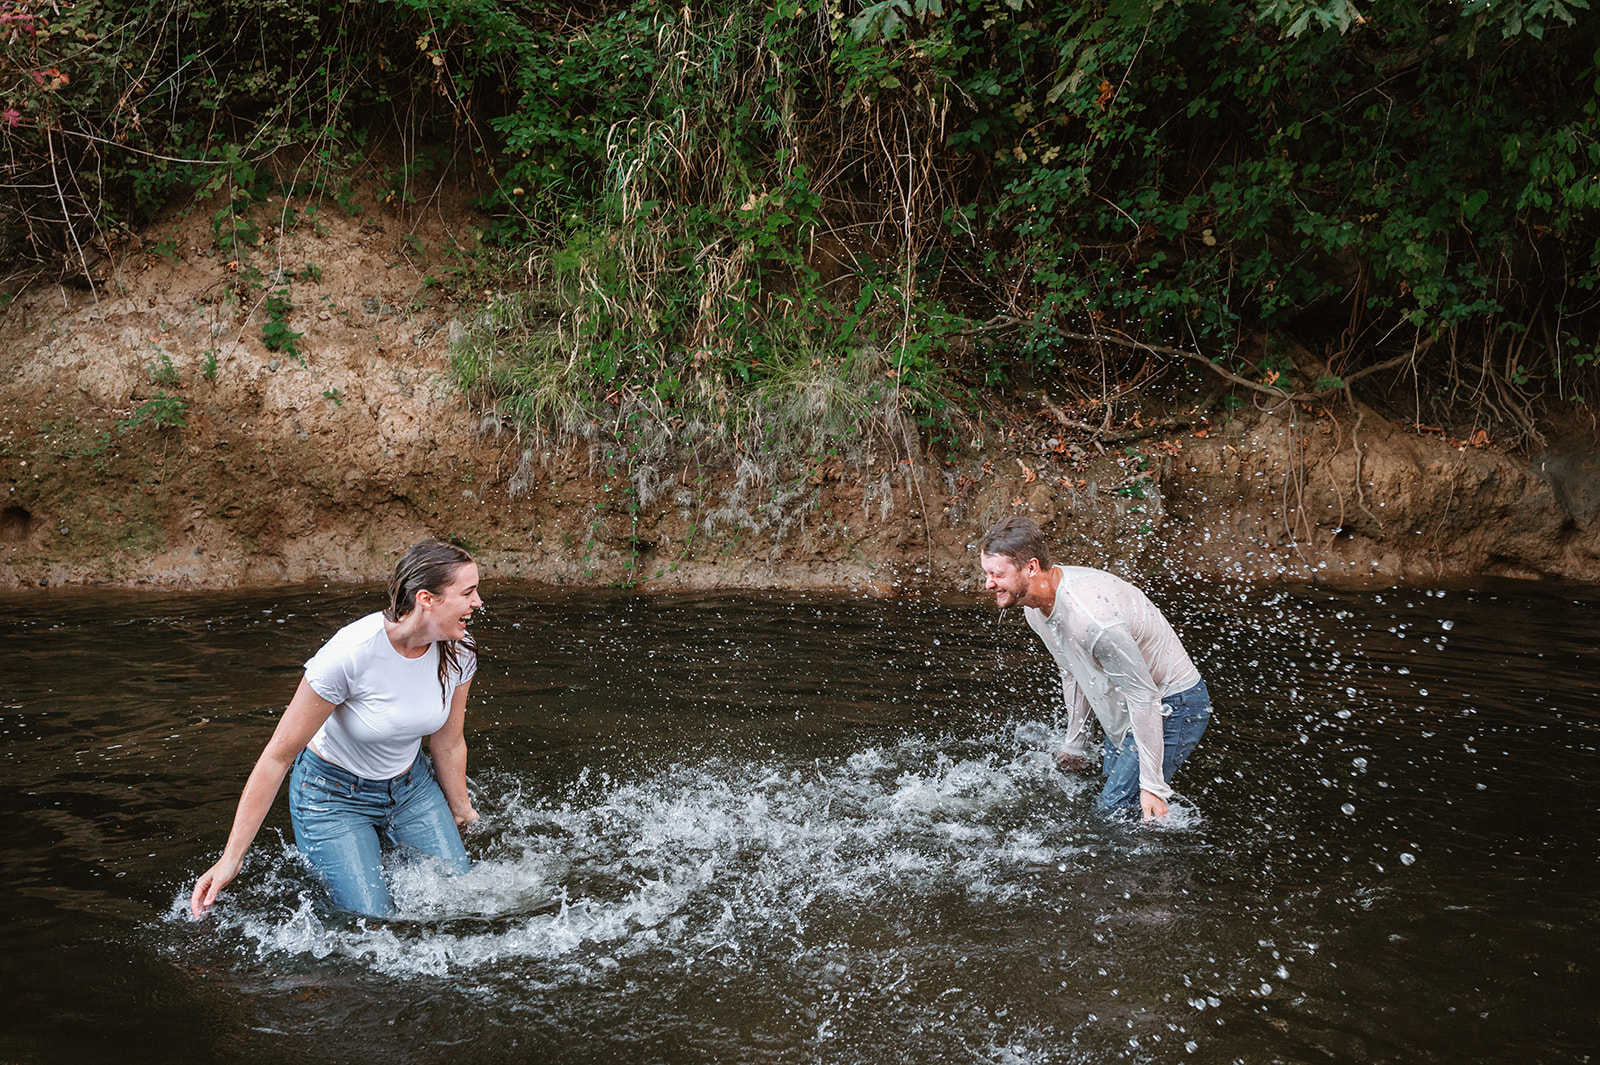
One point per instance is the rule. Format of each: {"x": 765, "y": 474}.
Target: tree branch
{"x": 1006, "y": 321}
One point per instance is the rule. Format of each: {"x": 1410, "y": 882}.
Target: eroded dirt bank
{"x": 322, "y": 458}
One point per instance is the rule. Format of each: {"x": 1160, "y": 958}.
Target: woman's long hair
{"x": 429, "y": 566}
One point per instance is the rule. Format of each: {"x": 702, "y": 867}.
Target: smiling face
{"x": 1006, "y": 580}
{"x": 450, "y": 608}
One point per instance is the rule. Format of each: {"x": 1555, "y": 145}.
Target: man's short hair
{"x": 1018, "y": 539}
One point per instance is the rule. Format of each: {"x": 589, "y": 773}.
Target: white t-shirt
{"x": 384, "y": 702}
{"x": 1118, "y": 654}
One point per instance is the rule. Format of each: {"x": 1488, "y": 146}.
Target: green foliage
{"x": 1514, "y": 17}
{"x": 1369, "y": 171}
{"x": 112, "y": 109}
{"x": 886, "y": 18}
{"x": 1298, "y": 16}
{"x": 346, "y": 198}
{"x": 162, "y": 372}
{"x": 1193, "y": 174}
{"x": 162, "y": 410}
{"x": 714, "y": 198}
{"x": 275, "y": 331}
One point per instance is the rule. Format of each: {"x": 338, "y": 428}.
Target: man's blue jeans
{"x": 1183, "y": 721}
{"x": 342, "y": 822}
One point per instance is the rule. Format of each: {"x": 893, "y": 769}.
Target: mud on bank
{"x": 320, "y": 459}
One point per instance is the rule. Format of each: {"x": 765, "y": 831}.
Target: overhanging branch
{"x": 1006, "y": 321}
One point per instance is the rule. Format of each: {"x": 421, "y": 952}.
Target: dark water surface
{"x": 736, "y": 829}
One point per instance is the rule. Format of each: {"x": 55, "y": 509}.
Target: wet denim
{"x": 343, "y": 822}
{"x": 1183, "y": 721}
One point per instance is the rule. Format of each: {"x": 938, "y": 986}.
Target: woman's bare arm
{"x": 305, "y": 715}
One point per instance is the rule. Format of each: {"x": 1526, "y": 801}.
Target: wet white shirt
{"x": 384, "y": 702}
{"x": 1119, "y": 655}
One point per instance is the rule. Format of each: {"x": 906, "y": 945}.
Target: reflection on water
{"x": 824, "y": 829}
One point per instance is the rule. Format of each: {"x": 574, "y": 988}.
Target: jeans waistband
{"x": 1196, "y": 697}
{"x": 338, "y": 774}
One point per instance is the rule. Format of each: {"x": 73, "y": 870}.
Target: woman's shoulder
{"x": 360, "y": 630}
{"x": 356, "y": 636}
{"x": 343, "y": 657}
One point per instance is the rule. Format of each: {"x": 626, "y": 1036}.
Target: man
{"x": 1117, "y": 654}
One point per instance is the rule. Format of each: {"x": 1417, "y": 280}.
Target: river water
{"x": 824, "y": 829}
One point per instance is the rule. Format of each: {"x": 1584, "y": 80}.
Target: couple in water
{"x": 350, "y": 741}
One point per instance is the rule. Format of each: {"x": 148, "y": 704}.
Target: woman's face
{"x": 451, "y": 608}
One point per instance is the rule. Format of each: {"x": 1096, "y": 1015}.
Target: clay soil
{"x": 322, "y": 458}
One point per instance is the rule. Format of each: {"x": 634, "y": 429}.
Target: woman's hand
{"x": 1154, "y": 805}
{"x": 465, "y": 817}
{"x": 210, "y": 885}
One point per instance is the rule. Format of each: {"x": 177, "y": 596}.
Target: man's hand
{"x": 1154, "y": 805}
{"x": 1073, "y": 763}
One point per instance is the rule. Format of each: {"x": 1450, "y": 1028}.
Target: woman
{"x": 353, "y": 734}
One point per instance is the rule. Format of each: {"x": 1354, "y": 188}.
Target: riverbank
{"x": 177, "y": 427}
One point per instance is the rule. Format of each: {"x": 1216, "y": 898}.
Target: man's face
{"x": 1008, "y": 583}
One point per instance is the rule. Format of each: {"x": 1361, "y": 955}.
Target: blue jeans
{"x": 342, "y": 823}
{"x": 1183, "y": 721}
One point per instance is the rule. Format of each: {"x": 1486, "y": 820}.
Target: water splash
{"x": 707, "y": 856}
